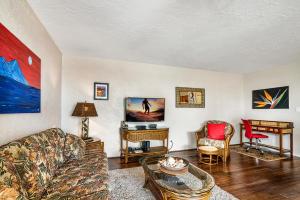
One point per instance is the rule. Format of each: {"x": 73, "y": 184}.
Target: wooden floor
{"x": 245, "y": 177}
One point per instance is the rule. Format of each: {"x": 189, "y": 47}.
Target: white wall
{"x": 223, "y": 97}
{"x": 228, "y": 96}
{"x": 18, "y": 17}
{"x": 276, "y": 77}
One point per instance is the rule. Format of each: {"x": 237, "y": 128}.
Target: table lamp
{"x": 85, "y": 110}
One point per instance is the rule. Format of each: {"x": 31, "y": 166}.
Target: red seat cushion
{"x": 216, "y": 131}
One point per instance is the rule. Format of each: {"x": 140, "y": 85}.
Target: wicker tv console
{"x": 135, "y": 136}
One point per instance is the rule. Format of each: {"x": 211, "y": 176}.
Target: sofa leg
{"x": 199, "y": 157}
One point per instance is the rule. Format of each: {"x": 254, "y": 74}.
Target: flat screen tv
{"x": 139, "y": 109}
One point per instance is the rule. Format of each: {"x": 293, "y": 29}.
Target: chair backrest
{"x": 229, "y": 130}
{"x": 248, "y": 128}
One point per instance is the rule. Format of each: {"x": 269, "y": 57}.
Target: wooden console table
{"x": 135, "y": 136}
{"x": 275, "y": 127}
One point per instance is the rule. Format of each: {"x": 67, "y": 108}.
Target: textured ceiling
{"x": 229, "y": 35}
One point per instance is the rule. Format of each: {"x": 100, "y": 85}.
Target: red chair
{"x": 250, "y": 135}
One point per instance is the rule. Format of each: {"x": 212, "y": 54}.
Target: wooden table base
{"x": 209, "y": 159}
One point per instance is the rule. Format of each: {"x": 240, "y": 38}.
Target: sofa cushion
{"x": 53, "y": 141}
{"x": 210, "y": 142}
{"x": 74, "y": 147}
{"x": 36, "y": 158}
{"x": 32, "y": 166}
{"x": 10, "y": 182}
{"x": 86, "y": 178}
{"x": 216, "y": 131}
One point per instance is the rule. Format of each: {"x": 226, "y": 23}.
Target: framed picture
{"x": 20, "y": 76}
{"x": 101, "y": 91}
{"x": 190, "y": 97}
{"x": 272, "y": 98}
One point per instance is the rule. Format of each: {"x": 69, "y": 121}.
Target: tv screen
{"x": 144, "y": 109}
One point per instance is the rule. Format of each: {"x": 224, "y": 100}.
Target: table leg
{"x": 200, "y": 157}
{"x": 146, "y": 181}
{"x": 280, "y": 145}
{"x": 210, "y": 159}
{"x": 241, "y": 135}
{"x": 126, "y": 152}
{"x": 291, "y": 145}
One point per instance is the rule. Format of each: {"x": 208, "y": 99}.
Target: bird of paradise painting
{"x": 20, "y": 76}
{"x": 272, "y": 98}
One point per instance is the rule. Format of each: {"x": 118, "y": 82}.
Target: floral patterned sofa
{"x": 52, "y": 165}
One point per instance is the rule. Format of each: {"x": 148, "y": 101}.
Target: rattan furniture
{"x": 136, "y": 136}
{"x": 209, "y": 155}
{"x": 223, "y": 145}
{"x": 94, "y": 145}
{"x": 195, "y": 184}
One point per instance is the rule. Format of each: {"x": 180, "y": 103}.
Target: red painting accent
{"x": 11, "y": 48}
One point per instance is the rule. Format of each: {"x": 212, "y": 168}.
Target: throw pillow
{"x": 216, "y": 131}
{"x": 74, "y": 147}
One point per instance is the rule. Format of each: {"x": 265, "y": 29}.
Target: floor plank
{"x": 245, "y": 177}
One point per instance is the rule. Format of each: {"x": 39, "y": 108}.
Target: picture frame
{"x": 190, "y": 97}
{"x": 271, "y": 98}
{"x": 101, "y": 91}
{"x": 20, "y": 76}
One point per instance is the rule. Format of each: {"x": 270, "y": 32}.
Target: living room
{"x": 207, "y": 61}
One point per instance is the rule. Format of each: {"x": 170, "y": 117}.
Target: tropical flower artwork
{"x": 272, "y": 98}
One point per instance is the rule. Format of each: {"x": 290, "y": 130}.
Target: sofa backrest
{"x": 53, "y": 141}
{"x": 35, "y": 159}
{"x": 74, "y": 147}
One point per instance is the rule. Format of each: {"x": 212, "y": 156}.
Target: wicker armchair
{"x": 202, "y": 140}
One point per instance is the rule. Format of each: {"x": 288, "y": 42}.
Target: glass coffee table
{"x": 195, "y": 184}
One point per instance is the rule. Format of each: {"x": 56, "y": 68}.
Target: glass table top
{"x": 195, "y": 179}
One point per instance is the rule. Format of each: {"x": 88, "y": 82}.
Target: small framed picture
{"x": 101, "y": 91}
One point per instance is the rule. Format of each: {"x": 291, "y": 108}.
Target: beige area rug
{"x": 267, "y": 156}
{"x": 127, "y": 184}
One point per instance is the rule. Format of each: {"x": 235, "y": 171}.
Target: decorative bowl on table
{"x": 174, "y": 165}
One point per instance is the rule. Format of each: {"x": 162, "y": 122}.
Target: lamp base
{"x": 85, "y": 128}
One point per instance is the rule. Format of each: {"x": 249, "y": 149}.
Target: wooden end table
{"x": 211, "y": 152}
{"x": 92, "y": 144}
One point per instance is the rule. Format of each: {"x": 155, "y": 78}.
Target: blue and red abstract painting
{"x": 20, "y": 76}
